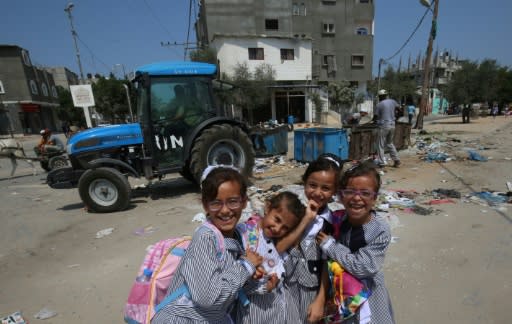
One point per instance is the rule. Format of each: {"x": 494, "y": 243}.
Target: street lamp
{"x": 73, "y": 33}
{"x": 426, "y": 67}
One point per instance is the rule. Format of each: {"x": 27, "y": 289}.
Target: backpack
{"x": 162, "y": 260}
{"x": 347, "y": 293}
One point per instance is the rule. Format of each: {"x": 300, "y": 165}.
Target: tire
{"x": 44, "y": 165}
{"x": 222, "y": 144}
{"x": 104, "y": 190}
{"x": 57, "y": 162}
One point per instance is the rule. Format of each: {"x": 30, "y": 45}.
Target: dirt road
{"x": 451, "y": 266}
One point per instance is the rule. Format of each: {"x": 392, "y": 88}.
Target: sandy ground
{"x": 451, "y": 266}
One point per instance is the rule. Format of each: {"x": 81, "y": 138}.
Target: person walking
{"x": 411, "y": 111}
{"x": 385, "y": 119}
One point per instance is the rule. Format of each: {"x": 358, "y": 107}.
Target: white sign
{"x": 82, "y": 95}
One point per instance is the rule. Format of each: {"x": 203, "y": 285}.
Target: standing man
{"x": 385, "y": 118}
{"x": 411, "y": 111}
{"x": 465, "y": 113}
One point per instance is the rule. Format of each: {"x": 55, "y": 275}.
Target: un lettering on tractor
{"x": 179, "y": 128}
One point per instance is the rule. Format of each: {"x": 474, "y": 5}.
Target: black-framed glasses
{"x": 231, "y": 203}
{"x": 363, "y": 193}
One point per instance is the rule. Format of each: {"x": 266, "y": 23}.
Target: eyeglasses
{"x": 362, "y": 193}
{"x": 231, "y": 203}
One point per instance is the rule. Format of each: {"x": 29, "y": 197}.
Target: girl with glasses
{"x": 213, "y": 282}
{"x": 305, "y": 262}
{"x": 283, "y": 212}
{"x": 362, "y": 242}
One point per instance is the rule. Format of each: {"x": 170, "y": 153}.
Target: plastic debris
{"x": 450, "y": 193}
{"x": 395, "y": 239}
{"x": 492, "y": 198}
{"x": 441, "y": 201}
{"x": 14, "y": 318}
{"x": 422, "y": 210}
{"x": 475, "y": 156}
{"x": 104, "y": 232}
{"x": 437, "y": 156}
{"x": 45, "y": 313}
{"x": 145, "y": 230}
{"x": 199, "y": 218}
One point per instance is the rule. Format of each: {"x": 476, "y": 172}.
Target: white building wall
{"x": 231, "y": 51}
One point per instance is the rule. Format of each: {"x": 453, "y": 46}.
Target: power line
{"x": 92, "y": 54}
{"x": 410, "y": 37}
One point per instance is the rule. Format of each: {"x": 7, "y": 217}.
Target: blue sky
{"x": 130, "y": 32}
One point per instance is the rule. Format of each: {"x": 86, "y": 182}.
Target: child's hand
{"x": 272, "y": 282}
{"x": 320, "y": 237}
{"x": 315, "y": 311}
{"x": 253, "y": 258}
{"x": 311, "y": 210}
{"x": 259, "y": 273}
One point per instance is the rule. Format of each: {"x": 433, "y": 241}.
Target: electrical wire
{"x": 410, "y": 37}
{"x": 92, "y": 54}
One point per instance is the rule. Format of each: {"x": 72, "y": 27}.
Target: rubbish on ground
{"x": 199, "y": 218}
{"x": 76, "y": 265}
{"x": 45, "y": 313}
{"x": 437, "y": 156}
{"x": 422, "y": 210}
{"x": 399, "y": 202}
{"x": 395, "y": 239}
{"x": 492, "y": 198}
{"x": 475, "y": 156}
{"x": 441, "y": 201}
{"x": 14, "y": 318}
{"x": 509, "y": 186}
{"x": 450, "y": 193}
{"x": 104, "y": 232}
{"x": 145, "y": 230}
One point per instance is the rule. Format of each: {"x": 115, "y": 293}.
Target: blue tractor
{"x": 179, "y": 128}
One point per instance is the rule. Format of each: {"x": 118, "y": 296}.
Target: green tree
{"x": 110, "y": 99}
{"x": 206, "y": 54}
{"x": 67, "y": 111}
{"x": 400, "y": 85}
{"x": 341, "y": 95}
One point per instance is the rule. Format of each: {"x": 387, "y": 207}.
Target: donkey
{"x": 12, "y": 149}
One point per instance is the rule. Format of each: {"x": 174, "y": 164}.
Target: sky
{"x": 123, "y": 34}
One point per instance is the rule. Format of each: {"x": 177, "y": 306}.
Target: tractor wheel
{"x": 57, "y": 162}
{"x": 222, "y": 144}
{"x": 44, "y": 165}
{"x": 104, "y": 190}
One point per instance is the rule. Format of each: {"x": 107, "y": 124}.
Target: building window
{"x": 328, "y": 28}
{"x": 54, "y": 92}
{"x": 362, "y": 31}
{"x": 302, "y": 9}
{"x": 329, "y": 1}
{"x": 329, "y": 61}
{"x": 271, "y": 24}
{"x": 2, "y": 90}
{"x": 287, "y": 54}
{"x": 365, "y": 1}
{"x": 33, "y": 87}
{"x": 45, "y": 89}
{"x": 299, "y": 10}
{"x": 26, "y": 58}
{"x": 357, "y": 60}
{"x": 256, "y": 54}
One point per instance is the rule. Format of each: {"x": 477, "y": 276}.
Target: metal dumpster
{"x": 270, "y": 140}
{"x": 309, "y": 143}
{"x": 402, "y": 138}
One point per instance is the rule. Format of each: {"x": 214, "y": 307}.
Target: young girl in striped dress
{"x": 305, "y": 263}
{"x": 362, "y": 242}
{"x": 267, "y": 303}
{"x": 212, "y": 281}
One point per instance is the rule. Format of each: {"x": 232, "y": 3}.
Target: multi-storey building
{"x": 28, "y": 95}
{"x": 63, "y": 76}
{"x": 308, "y": 44}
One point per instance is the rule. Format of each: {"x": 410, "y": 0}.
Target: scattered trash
{"x": 395, "y": 239}
{"x": 422, "y": 210}
{"x": 45, "y": 313}
{"x": 475, "y": 156}
{"x": 199, "y": 218}
{"x": 450, "y": 193}
{"x": 104, "y": 232}
{"x": 76, "y": 265}
{"x": 14, "y": 318}
{"x": 509, "y": 186}
{"x": 492, "y": 198}
{"x": 441, "y": 201}
{"x": 437, "y": 156}
{"x": 145, "y": 230}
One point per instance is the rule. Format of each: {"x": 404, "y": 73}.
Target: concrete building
{"x": 63, "y": 76}
{"x": 28, "y": 97}
{"x": 307, "y": 43}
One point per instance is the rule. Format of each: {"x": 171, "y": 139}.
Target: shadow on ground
{"x": 166, "y": 189}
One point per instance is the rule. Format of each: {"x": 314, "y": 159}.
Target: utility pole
{"x": 381, "y": 61}
{"x": 73, "y": 33}
{"x": 426, "y": 67}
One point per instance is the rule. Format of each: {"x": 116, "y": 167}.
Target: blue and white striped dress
{"x": 365, "y": 262}
{"x": 213, "y": 282}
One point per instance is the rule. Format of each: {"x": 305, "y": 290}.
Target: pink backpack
{"x": 160, "y": 264}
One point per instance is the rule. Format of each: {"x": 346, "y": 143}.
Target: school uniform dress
{"x": 213, "y": 282}
{"x": 361, "y": 250}
{"x": 303, "y": 265}
{"x": 264, "y": 307}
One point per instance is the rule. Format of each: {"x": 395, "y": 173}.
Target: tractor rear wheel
{"x": 222, "y": 144}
